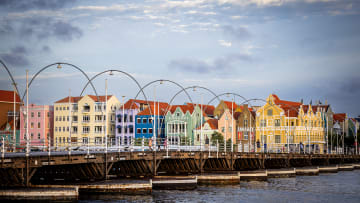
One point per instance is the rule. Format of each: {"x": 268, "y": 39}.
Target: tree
{"x": 217, "y": 137}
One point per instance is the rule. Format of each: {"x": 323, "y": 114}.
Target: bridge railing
{"x": 96, "y": 145}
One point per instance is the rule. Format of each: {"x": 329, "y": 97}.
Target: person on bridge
{"x": 150, "y": 144}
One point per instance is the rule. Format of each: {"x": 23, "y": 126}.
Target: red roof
{"x": 213, "y": 123}
{"x": 184, "y": 108}
{"x": 208, "y": 109}
{"x": 230, "y": 104}
{"x": 133, "y": 103}
{"x": 76, "y": 99}
{"x": 66, "y": 100}
{"x": 101, "y": 98}
{"x": 161, "y": 111}
{"x": 290, "y": 108}
{"x": 339, "y": 117}
{"x": 8, "y": 96}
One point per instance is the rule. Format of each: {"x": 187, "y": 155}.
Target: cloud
{"x": 39, "y": 28}
{"x": 23, "y": 5}
{"x": 238, "y": 33}
{"x": 267, "y": 3}
{"x": 224, "y": 43}
{"x": 222, "y": 64}
{"x": 46, "y": 49}
{"x": 16, "y": 57}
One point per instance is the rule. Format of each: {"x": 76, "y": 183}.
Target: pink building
{"x": 41, "y": 122}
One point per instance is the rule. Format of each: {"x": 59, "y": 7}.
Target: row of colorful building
{"x": 278, "y": 125}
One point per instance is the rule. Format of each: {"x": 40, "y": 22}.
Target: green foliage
{"x": 217, "y": 137}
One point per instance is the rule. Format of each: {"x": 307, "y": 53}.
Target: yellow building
{"x": 283, "y": 126}
{"x": 83, "y": 119}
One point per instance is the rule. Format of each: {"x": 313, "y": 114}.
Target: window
{"x": 39, "y": 135}
{"x": 177, "y": 114}
{"x": 67, "y": 118}
{"x": 144, "y": 130}
{"x": 263, "y": 123}
{"x": 60, "y": 108}
{"x": 138, "y": 130}
{"x": 270, "y": 112}
{"x": 67, "y": 129}
{"x": 126, "y": 129}
{"x": 74, "y": 129}
{"x": 292, "y": 123}
{"x": 131, "y": 129}
{"x": 144, "y": 120}
{"x": 32, "y": 114}
{"x": 138, "y": 120}
{"x": 119, "y": 118}
{"x": 38, "y": 124}
{"x": 277, "y": 139}
{"x": 56, "y": 108}
{"x": 86, "y": 129}
{"x": 246, "y": 135}
{"x": 98, "y": 140}
{"x": 150, "y": 120}
{"x": 245, "y": 123}
{"x": 230, "y": 129}
{"x": 125, "y": 117}
{"x": 63, "y": 129}
{"x": 59, "y": 129}
{"x": 223, "y": 129}
{"x": 74, "y": 118}
{"x": 59, "y": 118}
{"x": 48, "y": 136}
{"x": 131, "y": 118}
{"x": 32, "y": 125}
{"x": 55, "y": 129}
{"x": 39, "y": 114}
{"x": 63, "y": 118}
{"x": 67, "y": 108}
{"x": 277, "y": 122}
{"x": 86, "y": 119}
{"x": 198, "y": 137}
{"x": 59, "y": 139}
{"x": 32, "y": 135}
{"x": 56, "y": 118}
{"x": 85, "y": 140}
{"x": 150, "y": 130}
{"x": 119, "y": 130}
{"x": 48, "y": 114}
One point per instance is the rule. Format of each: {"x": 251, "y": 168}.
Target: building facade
{"x": 245, "y": 129}
{"x": 41, "y": 122}
{"x": 285, "y": 126}
{"x": 207, "y": 131}
{"x": 151, "y": 117}
{"x": 85, "y": 120}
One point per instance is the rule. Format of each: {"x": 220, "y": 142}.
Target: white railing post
{"x": 88, "y": 147}
{"x": 142, "y": 144}
{"x": 217, "y": 148}
{"x": 118, "y": 144}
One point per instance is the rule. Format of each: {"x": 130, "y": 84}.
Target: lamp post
{"x": 27, "y": 113}
{"x": 14, "y": 119}
{"x": 123, "y": 120}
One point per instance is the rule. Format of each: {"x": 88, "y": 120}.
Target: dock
{"x": 258, "y": 175}
{"x": 218, "y": 179}
{"x": 329, "y": 169}
{"x": 59, "y": 194}
{"x": 346, "y": 167}
{"x": 281, "y": 173}
{"x": 174, "y": 182}
{"x": 307, "y": 171}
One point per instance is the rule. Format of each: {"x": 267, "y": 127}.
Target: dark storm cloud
{"x": 40, "y": 28}
{"x": 46, "y": 48}
{"x": 16, "y": 57}
{"x": 24, "y": 5}
{"x": 199, "y": 66}
{"x": 238, "y": 33}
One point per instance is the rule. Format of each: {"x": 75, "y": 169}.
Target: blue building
{"x": 144, "y": 121}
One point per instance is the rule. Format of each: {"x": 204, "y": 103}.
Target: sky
{"x": 298, "y": 49}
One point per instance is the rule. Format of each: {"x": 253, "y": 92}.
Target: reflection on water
{"x": 338, "y": 187}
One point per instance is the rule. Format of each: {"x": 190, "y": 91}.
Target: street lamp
{"x": 59, "y": 66}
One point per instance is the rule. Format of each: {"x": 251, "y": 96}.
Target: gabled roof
{"x": 339, "y": 117}
{"x": 183, "y": 108}
{"x": 290, "y": 108}
{"x": 213, "y": 123}
{"x": 8, "y": 96}
{"x": 76, "y": 99}
{"x": 66, "y": 100}
{"x": 208, "y": 109}
{"x": 133, "y": 103}
{"x": 158, "y": 111}
{"x": 230, "y": 105}
{"x": 101, "y": 98}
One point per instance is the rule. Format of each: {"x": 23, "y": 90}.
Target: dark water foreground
{"x": 342, "y": 187}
